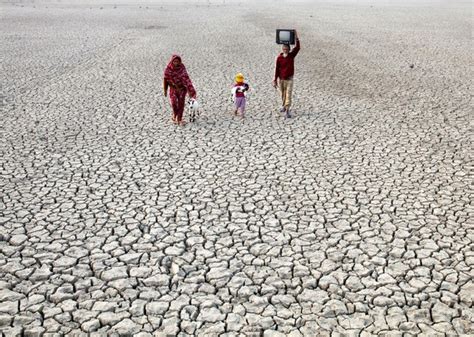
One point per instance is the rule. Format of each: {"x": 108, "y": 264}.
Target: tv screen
{"x": 285, "y": 36}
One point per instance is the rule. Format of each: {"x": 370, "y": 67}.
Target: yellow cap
{"x": 239, "y": 77}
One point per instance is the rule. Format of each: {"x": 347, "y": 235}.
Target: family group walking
{"x": 177, "y": 84}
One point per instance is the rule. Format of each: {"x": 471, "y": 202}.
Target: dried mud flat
{"x": 353, "y": 218}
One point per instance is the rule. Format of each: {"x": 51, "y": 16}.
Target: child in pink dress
{"x": 239, "y": 91}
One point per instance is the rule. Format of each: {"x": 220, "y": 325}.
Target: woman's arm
{"x": 190, "y": 88}
{"x": 192, "y": 92}
{"x": 165, "y": 87}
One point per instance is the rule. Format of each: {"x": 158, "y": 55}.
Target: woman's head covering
{"x": 178, "y": 77}
{"x": 172, "y": 71}
{"x": 239, "y": 77}
{"x": 173, "y": 58}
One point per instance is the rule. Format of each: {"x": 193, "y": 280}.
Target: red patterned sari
{"x": 177, "y": 79}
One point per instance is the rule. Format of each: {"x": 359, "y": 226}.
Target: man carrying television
{"x": 284, "y": 71}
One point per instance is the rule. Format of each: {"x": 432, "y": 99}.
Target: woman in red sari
{"x": 176, "y": 78}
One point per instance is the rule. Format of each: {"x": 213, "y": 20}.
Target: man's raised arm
{"x": 296, "y": 49}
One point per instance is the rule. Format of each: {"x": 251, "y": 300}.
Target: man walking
{"x": 284, "y": 71}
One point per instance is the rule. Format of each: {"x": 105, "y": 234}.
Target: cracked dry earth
{"x": 354, "y": 218}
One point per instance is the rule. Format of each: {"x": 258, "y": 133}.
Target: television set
{"x": 285, "y": 36}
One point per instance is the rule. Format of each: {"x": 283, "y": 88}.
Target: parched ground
{"x": 353, "y": 218}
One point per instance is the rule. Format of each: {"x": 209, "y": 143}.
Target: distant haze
{"x": 128, "y": 2}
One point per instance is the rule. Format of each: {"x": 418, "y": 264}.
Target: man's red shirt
{"x": 285, "y": 66}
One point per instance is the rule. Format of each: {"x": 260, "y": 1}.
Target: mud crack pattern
{"x": 354, "y": 218}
